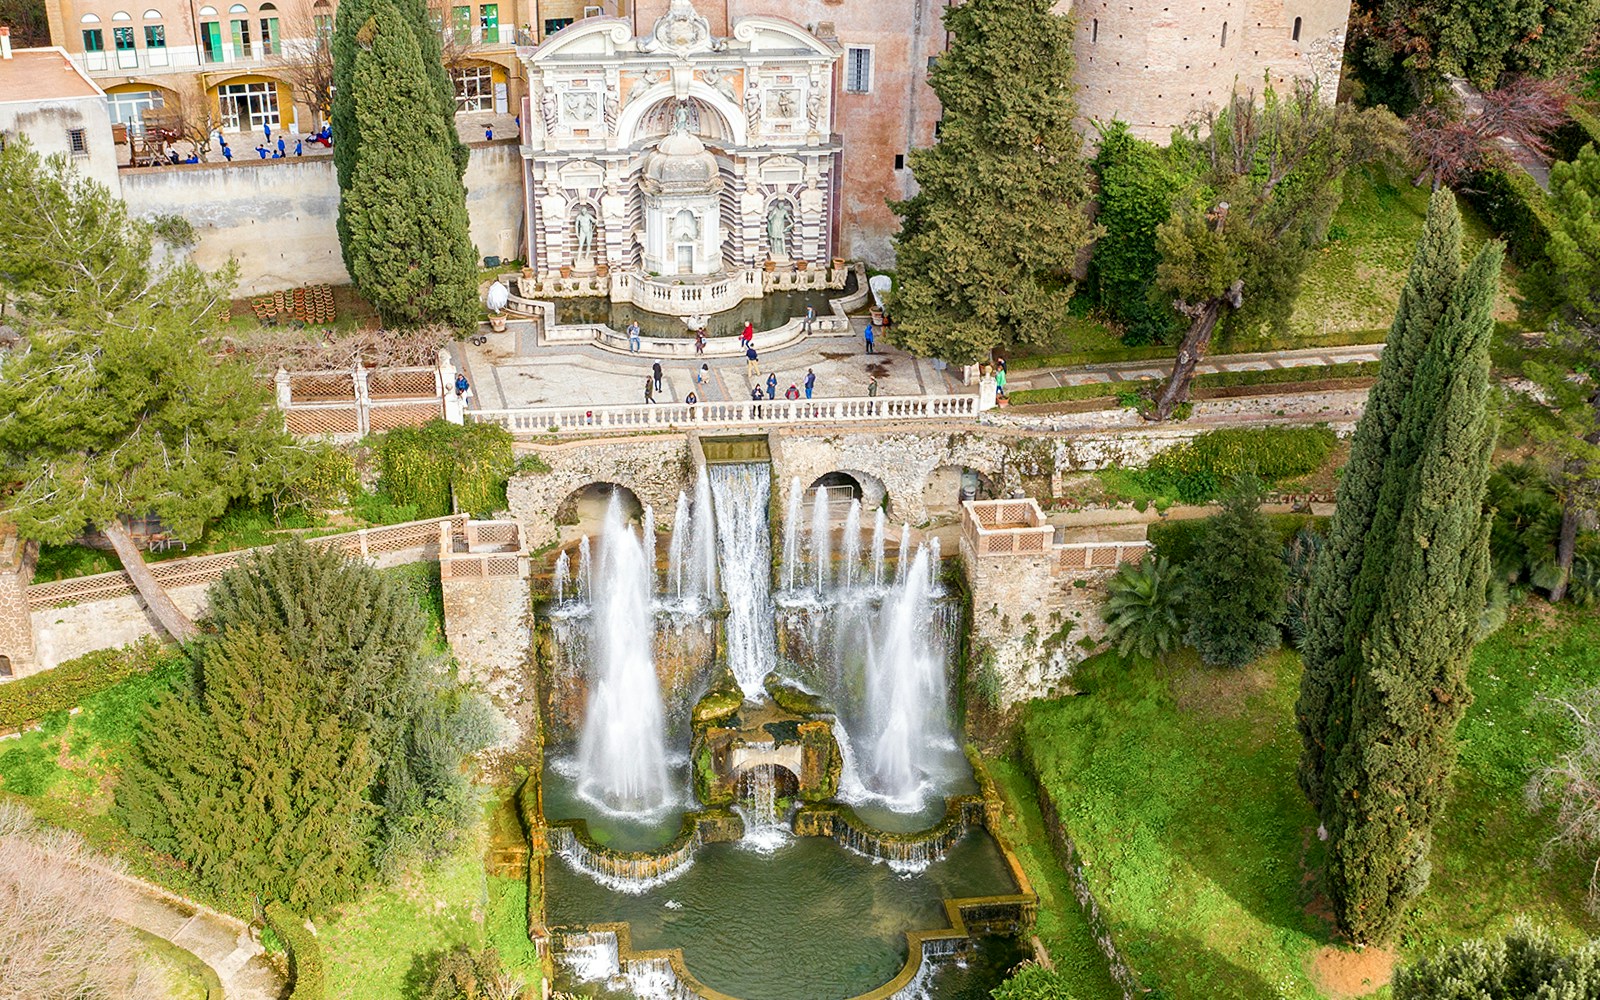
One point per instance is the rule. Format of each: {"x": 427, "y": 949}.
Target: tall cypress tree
{"x": 1400, "y": 592}
{"x": 987, "y": 245}
{"x": 1339, "y": 613}
{"x": 403, "y": 212}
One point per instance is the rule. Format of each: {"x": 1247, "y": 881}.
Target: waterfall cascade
{"x": 764, "y": 829}
{"x": 906, "y": 701}
{"x": 622, "y": 754}
{"x": 740, "y": 495}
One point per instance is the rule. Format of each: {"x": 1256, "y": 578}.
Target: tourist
{"x": 756, "y": 397}
{"x": 772, "y": 386}
{"x": 872, "y": 385}
{"x": 810, "y": 318}
{"x": 1000, "y": 379}
{"x": 869, "y": 336}
{"x": 703, "y": 375}
{"x": 649, "y": 389}
{"x": 748, "y": 335}
{"x": 691, "y": 399}
{"x": 281, "y": 146}
{"x": 267, "y": 128}
{"x": 751, "y": 366}
{"x": 227, "y": 152}
{"x": 633, "y": 337}
{"x": 462, "y": 385}
{"x": 793, "y": 393}
{"x": 699, "y": 341}
{"x": 811, "y": 382}
{"x": 655, "y": 373}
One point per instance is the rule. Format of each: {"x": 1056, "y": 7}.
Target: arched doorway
{"x": 5, "y": 667}
{"x": 583, "y": 510}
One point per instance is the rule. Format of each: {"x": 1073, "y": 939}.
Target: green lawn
{"x": 1177, "y": 782}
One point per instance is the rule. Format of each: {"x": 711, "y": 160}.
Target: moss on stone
{"x": 793, "y": 700}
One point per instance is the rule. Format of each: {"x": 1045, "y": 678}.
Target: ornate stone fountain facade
{"x": 681, "y": 171}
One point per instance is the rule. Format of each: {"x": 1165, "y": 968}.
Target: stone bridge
{"x": 915, "y": 471}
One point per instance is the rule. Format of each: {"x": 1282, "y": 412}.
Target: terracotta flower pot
{"x": 497, "y": 323}
{"x": 800, "y": 265}
{"x": 527, "y": 273}
{"x": 770, "y": 266}
{"x": 838, "y": 263}
{"x": 566, "y": 270}
{"x": 601, "y": 270}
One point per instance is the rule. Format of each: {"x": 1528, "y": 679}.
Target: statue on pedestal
{"x": 778, "y": 228}
{"x": 583, "y": 226}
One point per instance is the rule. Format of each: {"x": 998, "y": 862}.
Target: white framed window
{"x": 78, "y": 141}
{"x": 474, "y": 89}
{"x": 858, "y": 69}
{"x": 248, "y": 106}
{"x": 128, "y": 107}
{"x": 593, "y": 11}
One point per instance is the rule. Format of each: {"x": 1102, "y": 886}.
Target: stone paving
{"x": 585, "y": 375}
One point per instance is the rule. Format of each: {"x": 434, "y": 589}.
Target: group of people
{"x": 267, "y": 150}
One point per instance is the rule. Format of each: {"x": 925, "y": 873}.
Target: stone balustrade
{"x": 736, "y": 413}
{"x": 1011, "y": 528}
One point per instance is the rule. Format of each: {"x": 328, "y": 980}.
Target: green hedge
{"x": 1198, "y": 471}
{"x": 1157, "y": 352}
{"x": 1177, "y": 541}
{"x": 1582, "y": 128}
{"x": 441, "y": 467}
{"x": 1209, "y": 380}
{"x": 34, "y": 697}
{"x": 307, "y": 980}
{"x": 1516, "y": 208}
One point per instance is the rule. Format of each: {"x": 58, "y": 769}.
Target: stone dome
{"x": 681, "y": 164}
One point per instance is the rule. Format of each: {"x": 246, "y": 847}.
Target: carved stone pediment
{"x": 681, "y": 30}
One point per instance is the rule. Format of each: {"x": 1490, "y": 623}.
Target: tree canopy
{"x": 113, "y": 404}
{"x": 988, "y": 244}
{"x": 1237, "y": 583}
{"x": 403, "y": 221}
{"x": 1529, "y": 963}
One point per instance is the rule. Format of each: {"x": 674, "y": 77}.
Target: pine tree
{"x": 252, "y": 783}
{"x": 1339, "y": 612}
{"x": 1237, "y": 582}
{"x": 1403, "y": 587}
{"x": 402, "y": 209}
{"x": 987, "y": 245}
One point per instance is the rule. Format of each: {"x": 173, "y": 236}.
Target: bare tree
{"x": 1572, "y": 785}
{"x": 59, "y": 933}
{"x": 307, "y": 61}
{"x": 1451, "y": 142}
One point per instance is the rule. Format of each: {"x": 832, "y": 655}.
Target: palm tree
{"x": 1141, "y": 613}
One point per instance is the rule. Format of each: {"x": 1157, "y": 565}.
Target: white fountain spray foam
{"x": 703, "y": 561}
{"x": 740, "y": 494}
{"x": 676, "y": 548}
{"x": 821, "y": 542}
{"x": 585, "y": 569}
{"x": 879, "y": 526}
{"x": 850, "y": 556}
{"x": 558, "y": 577}
{"x": 622, "y": 753}
{"x": 792, "y": 573}
{"x": 905, "y": 691}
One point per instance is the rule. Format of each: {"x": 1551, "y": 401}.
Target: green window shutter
{"x": 213, "y": 40}
{"x": 269, "y": 36}
{"x": 489, "y": 18}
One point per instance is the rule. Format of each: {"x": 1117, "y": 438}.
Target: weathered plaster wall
{"x": 486, "y": 624}
{"x": 277, "y": 218}
{"x": 46, "y": 123}
{"x": 62, "y": 634}
{"x": 17, "y": 561}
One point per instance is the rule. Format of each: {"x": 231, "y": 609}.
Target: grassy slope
{"x": 1178, "y": 784}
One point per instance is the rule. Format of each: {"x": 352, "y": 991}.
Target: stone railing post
{"x": 986, "y": 393}
{"x": 358, "y": 379}
{"x": 447, "y": 388}
{"x": 285, "y": 393}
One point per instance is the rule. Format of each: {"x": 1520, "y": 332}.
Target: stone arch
{"x": 861, "y": 485}
{"x": 6, "y": 669}
{"x": 786, "y": 784}
{"x": 586, "y": 504}
{"x": 631, "y": 124}
{"x": 655, "y": 468}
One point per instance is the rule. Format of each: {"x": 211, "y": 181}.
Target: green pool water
{"x": 810, "y": 921}
{"x": 766, "y": 313}
{"x": 621, "y": 833}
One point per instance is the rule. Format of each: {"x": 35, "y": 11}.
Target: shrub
{"x": 462, "y": 974}
{"x": 1270, "y": 453}
{"x": 1300, "y": 557}
{"x": 1516, "y": 209}
{"x": 32, "y": 698}
{"x": 1141, "y": 612}
{"x": 321, "y": 477}
{"x": 1237, "y": 582}
{"x": 307, "y": 980}
{"x": 426, "y": 466}
{"x": 1033, "y": 982}
{"x": 1582, "y": 128}
{"x": 1138, "y": 180}
{"x": 1527, "y": 520}
{"x": 1528, "y": 962}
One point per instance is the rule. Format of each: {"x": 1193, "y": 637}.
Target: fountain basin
{"x": 807, "y": 922}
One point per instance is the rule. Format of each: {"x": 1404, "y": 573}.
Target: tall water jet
{"x": 821, "y": 542}
{"x": 647, "y": 536}
{"x": 677, "y": 548}
{"x": 740, "y": 495}
{"x": 850, "y": 547}
{"x": 879, "y": 528}
{"x": 791, "y": 535}
{"x": 905, "y": 690}
{"x": 703, "y": 558}
{"x": 585, "y": 569}
{"x": 901, "y": 555}
{"x": 558, "y": 577}
{"x": 622, "y": 755}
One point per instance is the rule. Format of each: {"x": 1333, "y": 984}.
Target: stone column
{"x": 285, "y": 394}
{"x": 986, "y": 393}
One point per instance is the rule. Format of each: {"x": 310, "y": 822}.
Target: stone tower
{"x": 1159, "y": 64}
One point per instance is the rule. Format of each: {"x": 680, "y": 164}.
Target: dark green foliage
{"x": 1527, "y": 519}
{"x": 1237, "y": 584}
{"x": 1516, "y": 209}
{"x": 67, "y": 686}
{"x": 1427, "y": 40}
{"x": 987, "y": 245}
{"x": 1300, "y": 557}
{"x": 252, "y": 783}
{"x": 1179, "y": 541}
{"x": 1529, "y": 963}
{"x": 1141, "y": 610}
{"x": 424, "y": 467}
{"x": 1137, "y": 184}
{"x": 28, "y": 770}
{"x": 1202, "y": 467}
{"x": 463, "y": 974}
{"x": 117, "y": 406}
{"x": 307, "y": 979}
{"x": 402, "y": 208}
{"x": 1033, "y": 982}
{"x": 1397, "y": 602}
{"x": 1582, "y": 129}
{"x": 1269, "y": 376}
